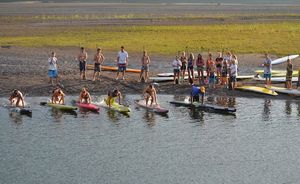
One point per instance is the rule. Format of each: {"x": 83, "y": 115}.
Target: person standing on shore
{"x": 176, "y": 64}
{"x": 98, "y": 59}
{"x": 145, "y": 66}
{"x": 289, "y": 74}
{"x": 224, "y": 74}
{"x": 200, "y": 68}
{"x": 17, "y": 98}
{"x": 53, "y": 66}
{"x": 122, "y": 62}
{"x": 233, "y": 74}
{"x": 228, "y": 57}
{"x": 190, "y": 68}
{"x": 209, "y": 64}
{"x": 267, "y": 69}
{"x": 82, "y": 58}
{"x": 183, "y": 60}
{"x": 219, "y": 62}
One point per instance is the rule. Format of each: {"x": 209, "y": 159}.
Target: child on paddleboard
{"x": 150, "y": 94}
{"x": 84, "y": 96}
{"x": 16, "y": 98}
{"x": 58, "y": 96}
{"x": 112, "y": 95}
{"x": 196, "y": 92}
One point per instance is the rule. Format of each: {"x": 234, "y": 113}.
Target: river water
{"x": 261, "y": 144}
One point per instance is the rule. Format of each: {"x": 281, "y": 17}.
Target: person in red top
{"x": 200, "y": 68}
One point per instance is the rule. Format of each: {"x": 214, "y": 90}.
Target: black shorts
{"x": 196, "y": 98}
{"x": 82, "y": 65}
{"x": 183, "y": 67}
{"x": 97, "y": 67}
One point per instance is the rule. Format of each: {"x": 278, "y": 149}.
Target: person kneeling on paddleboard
{"x": 58, "y": 96}
{"x": 196, "y": 92}
{"x": 17, "y": 98}
{"x": 111, "y": 95}
{"x": 84, "y": 96}
{"x": 150, "y": 93}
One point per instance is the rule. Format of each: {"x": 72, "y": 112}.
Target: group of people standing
{"x": 221, "y": 70}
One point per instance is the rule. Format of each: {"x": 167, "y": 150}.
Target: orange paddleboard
{"x": 113, "y": 68}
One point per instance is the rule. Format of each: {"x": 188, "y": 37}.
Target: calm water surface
{"x": 261, "y": 144}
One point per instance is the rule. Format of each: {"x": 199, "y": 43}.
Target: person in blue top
{"x": 196, "y": 92}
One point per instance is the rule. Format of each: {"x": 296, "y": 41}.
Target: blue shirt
{"x": 195, "y": 91}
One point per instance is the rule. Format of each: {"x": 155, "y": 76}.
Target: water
{"x": 261, "y": 144}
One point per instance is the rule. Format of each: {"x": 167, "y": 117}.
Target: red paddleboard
{"x": 90, "y": 107}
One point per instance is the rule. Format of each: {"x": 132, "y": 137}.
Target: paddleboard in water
{"x": 277, "y": 79}
{"x": 206, "y": 107}
{"x": 21, "y": 111}
{"x": 293, "y": 92}
{"x": 155, "y": 108}
{"x": 113, "y": 68}
{"x": 257, "y": 89}
{"x": 60, "y": 106}
{"x": 283, "y": 59}
{"x": 115, "y": 106}
{"x": 90, "y": 107}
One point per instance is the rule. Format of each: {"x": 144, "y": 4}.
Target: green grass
{"x": 275, "y": 38}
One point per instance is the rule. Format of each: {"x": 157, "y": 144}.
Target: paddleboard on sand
{"x": 277, "y": 79}
{"x": 166, "y": 79}
{"x": 115, "y": 106}
{"x": 154, "y": 108}
{"x": 60, "y": 106}
{"x": 257, "y": 89}
{"x": 113, "y": 68}
{"x": 90, "y": 107}
{"x": 283, "y": 59}
{"x": 293, "y": 92}
{"x": 172, "y": 74}
{"x": 207, "y": 107}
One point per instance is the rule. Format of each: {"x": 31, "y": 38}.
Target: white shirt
{"x": 233, "y": 70}
{"x": 176, "y": 64}
{"x": 122, "y": 57}
{"x": 52, "y": 63}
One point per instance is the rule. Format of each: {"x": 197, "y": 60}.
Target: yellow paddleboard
{"x": 257, "y": 89}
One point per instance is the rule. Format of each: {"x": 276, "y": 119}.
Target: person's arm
{"x": 120, "y": 96}
{"x": 86, "y": 56}
{"x": 89, "y": 98}
{"x": 149, "y": 60}
{"x": 118, "y": 59}
{"x": 126, "y": 60}
{"x": 22, "y": 100}
{"x": 103, "y": 58}
{"x": 155, "y": 95}
{"x": 191, "y": 97}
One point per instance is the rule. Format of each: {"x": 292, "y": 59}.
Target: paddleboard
{"x": 277, "y": 79}
{"x": 257, "y": 89}
{"x": 207, "y": 107}
{"x": 113, "y": 68}
{"x": 283, "y": 59}
{"x": 21, "y": 111}
{"x": 60, "y": 106}
{"x": 273, "y": 71}
{"x": 90, "y": 107}
{"x": 172, "y": 74}
{"x": 155, "y": 108}
{"x": 115, "y": 106}
{"x": 293, "y": 92}
{"x": 283, "y": 74}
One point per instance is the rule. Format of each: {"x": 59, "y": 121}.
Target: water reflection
{"x": 58, "y": 114}
{"x": 266, "y": 111}
{"x": 288, "y": 107}
{"x": 150, "y": 118}
{"x": 16, "y": 117}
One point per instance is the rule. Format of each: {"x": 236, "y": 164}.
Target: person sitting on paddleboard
{"x": 17, "y": 98}
{"x": 84, "y": 96}
{"x": 58, "y": 96}
{"x": 150, "y": 94}
{"x": 196, "y": 92}
{"x": 111, "y": 95}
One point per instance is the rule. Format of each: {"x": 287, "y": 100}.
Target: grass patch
{"x": 276, "y": 38}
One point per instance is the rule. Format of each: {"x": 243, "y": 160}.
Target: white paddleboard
{"x": 283, "y": 59}
{"x": 294, "y": 92}
{"x": 277, "y": 79}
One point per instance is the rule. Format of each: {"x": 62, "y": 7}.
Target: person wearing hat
{"x": 17, "y": 98}
{"x": 196, "y": 92}
{"x": 122, "y": 62}
{"x": 84, "y": 96}
{"x": 98, "y": 59}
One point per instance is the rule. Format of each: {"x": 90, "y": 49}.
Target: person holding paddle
{"x": 17, "y": 98}
{"x": 53, "y": 65}
{"x": 149, "y": 93}
{"x": 122, "y": 62}
{"x": 84, "y": 96}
